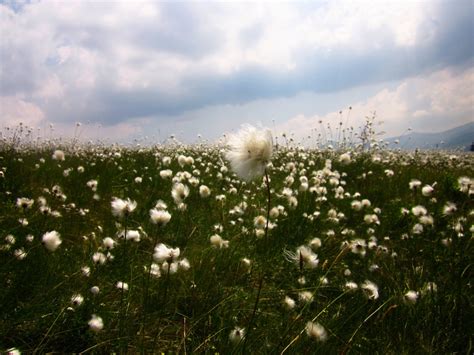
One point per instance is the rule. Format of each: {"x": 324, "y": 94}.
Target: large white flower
{"x": 250, "y": 150}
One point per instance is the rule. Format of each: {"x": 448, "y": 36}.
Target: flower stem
{"x": 252, "y": 318}
{"x": 146, "y": 291}
{"x": 122, "y": 291}
{"x": 267, "y": 182}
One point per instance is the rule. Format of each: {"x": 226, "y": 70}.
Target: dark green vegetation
{"x": 195, "y": 310}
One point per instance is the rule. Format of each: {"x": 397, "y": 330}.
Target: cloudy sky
{"x": 150, "y": 69}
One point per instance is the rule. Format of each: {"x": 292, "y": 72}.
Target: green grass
{"x": 194, "y": 311}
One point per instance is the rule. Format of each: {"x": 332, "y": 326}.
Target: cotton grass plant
{"x": 172, "y": 267}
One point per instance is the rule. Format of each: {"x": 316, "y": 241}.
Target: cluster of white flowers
{"x": 218, "y": 242}
{"x": 169, "y": 259}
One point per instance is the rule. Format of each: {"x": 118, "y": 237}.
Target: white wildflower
{"x": 305, "y": 296}
{"x": 121, "y": 208}
{"x": 122, "y": 285}
{"x": 25, "y": 203}
{"x": 289, "y": 303}
{"x": 316, "y": 331}
{"x": 108, "y": 243}
{"x": 51, "y": 240}
{"x": 77, "y": 299}
{"x": 96, "y": 324}
{"x": 204, "y": 191}
{"x": 236, "y": 335}
{"x": 370, "y": 290}
{"x": 163, "y": 253}
{"x": 159, "y": 217}
{"x": 58, "y": 155}
{"x": 217, "y": 242}
{"x": 411, "y": 297}
{"x": 250, "y": 150}
{"x": 99, "y": 258}
{"x": 179, "y": 192}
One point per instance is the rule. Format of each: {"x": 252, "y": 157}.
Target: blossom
{"x": 304, "y": 257}
{"x": 159, "y": 217}
{"x": 161, "y": 205}
{"x": 163, "y": 253}
{"x": 77, "y": 299}
{"x": 92, "y": 184}
{"x": 171, "y": 268}
{"x": 58, "y": 155}
{"x": 315, "y": 243}
{"x": 122, "y": 285}
{"x": 217, "y": 241}
{"x": 414, "y": 184}
{"x": 250, "y": 150}
{"x": 350, "y": 286}
{"x": 99, "y": 258}
{"x": 260, "y": 222}
{"x": 96, "y": 324}
{"x": 166, "y": 174}
{"x": 204, "y": 191}
{"x": 289, "y": 302}
{"x": 25, "y": 203}
{"x": 356, "y": 205}
{"x": 316, "y": 331}
{"x": 121, "y": 208}
{"x": 410, "y": 297}
{"x": 358, "y": 246}
{"x": 465, "y": 184}
{"x": 449, "y": 209}
{"x": 108, "y": 243}
{"x": 131, "y": 234}
{"x": 419, "y": 211}
{"x": 236, "y": 335}
{"x": 306, "y": 296}
{"x": 51, "y": 240}
{"x": 179, "y": 192}
{"x": 345, "y": 158}
{"x": 370, "y": 290}
{"x": 20, "y": 254}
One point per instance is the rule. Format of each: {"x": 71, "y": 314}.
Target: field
{"x": 366, "y": 252}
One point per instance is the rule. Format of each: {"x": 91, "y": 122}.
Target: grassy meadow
{"x": 358, "y": 257}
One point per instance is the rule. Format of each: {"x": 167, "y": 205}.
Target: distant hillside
{"x": 457, "y": 138}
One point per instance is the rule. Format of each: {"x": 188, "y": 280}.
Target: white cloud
{"x": 112, "y": 62}
{"x": 431, "y": 103}
{"x": 14, "y": 110}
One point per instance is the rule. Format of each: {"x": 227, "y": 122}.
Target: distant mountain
{"x": 456, "y": 138}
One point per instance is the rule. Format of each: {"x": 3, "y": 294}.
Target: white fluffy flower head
{"x": 250, "y": 150}
{"x": 316, "y": 331}
{"x": 159, "y": 217}
{"x": 51, "y": 240}
{"x": 121, "y": 208}
{"x": 96, "y": 324}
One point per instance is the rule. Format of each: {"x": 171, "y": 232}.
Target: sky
{"x": 144, "y": 70}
